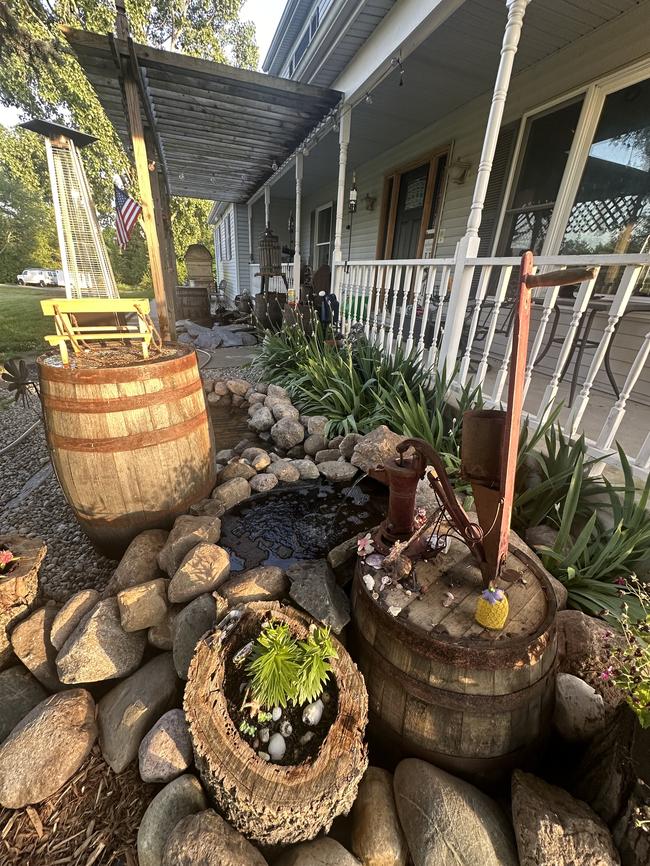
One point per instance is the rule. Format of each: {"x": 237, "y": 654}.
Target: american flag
{"x": 128, "y": 212}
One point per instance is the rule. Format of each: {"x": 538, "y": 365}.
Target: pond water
{"x": 301, "y": 521}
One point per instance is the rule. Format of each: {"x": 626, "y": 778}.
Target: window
{"x": 228, "y": 237}
{"x": 322, "y": 235}
{"x": 545, "y": 150}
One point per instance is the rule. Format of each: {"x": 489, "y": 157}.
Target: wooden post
{"x": 141, "y": 160}
{"x": 469, "y": 244}
{"x": 344, "y": 143}
{"x": 162, "y": 216}
{"x": 296, "y": 254}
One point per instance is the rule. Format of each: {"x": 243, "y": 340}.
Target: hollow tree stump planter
{"x": 269, "y": 803}
{"x": 18, "y": 586}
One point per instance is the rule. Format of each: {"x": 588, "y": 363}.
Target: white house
{"x": 457, "y": 175}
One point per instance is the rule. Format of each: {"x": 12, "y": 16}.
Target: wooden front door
{"x": 408, "y": 216}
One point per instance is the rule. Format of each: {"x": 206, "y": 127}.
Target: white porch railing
{"x": 276, "y": 283}
{"x": 573, "y": 357}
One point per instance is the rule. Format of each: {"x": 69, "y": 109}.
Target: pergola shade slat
{"x": 219, "y": 128}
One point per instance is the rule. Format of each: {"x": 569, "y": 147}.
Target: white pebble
{"x": 276, "y": 712}
{"x": 264, "y": 756}
{"x": 306, "y": 738}
{"x": 393, "y": 610}
{"x": 369, "y": 581}
{"x": 264, "y": 735}
{"x": 285, "y": 729}
{"x": 277, "y": 747}
{"x": 313, "y": 713}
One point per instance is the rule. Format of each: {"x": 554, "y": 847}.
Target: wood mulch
{"x": 99, "y": 357}
{"x": 93, "y": 820}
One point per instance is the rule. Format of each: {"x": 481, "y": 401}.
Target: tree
{"x": 40, "y": 76}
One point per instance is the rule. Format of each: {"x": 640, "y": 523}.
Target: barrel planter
{"x": 193, "y": 303}
{"x": 270, "y": 803}
{"x": 440, "y": 687}
{"x": 131, "y": 445}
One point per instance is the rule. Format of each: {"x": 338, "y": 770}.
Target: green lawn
{"x": 22, "y": 325}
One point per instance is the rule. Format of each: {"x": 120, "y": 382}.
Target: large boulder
{"x": 375, "y": 449}
{"x": 166, "y": 751}
{"x": 204, "y": 568}
{"x": 337, "y": 471}
{"x": 205, "y": 839}
{"x": 232, "y": 492}
{"x": 348, "y": 444}
{"x": 71, "y": 614}
{"x": 184, "y": 796}
{"x": 191, "y": 623}
{"x": 144, "y": 605}
{"x": 31, "y": 642}
{"x": 377, "y": 838}
{"x": 287, "y": 432}
{"x": 448, "y": 822}
{"x": 263, "y": 583}
{"x": 46, "y": 748}
{"x": 320, "y": 852}
{"x": 579, "y": 709}
{"x": 19, "y": 693}
{"x": 188, "y": 531}
{"x": 555, "y": 829}
{"x": 127, "y": 712}
{"x": 314, "y": 588}
{"x": 277, "y": 392}
{"x": 99, "y": 648}
{"x": 161, "y": 636}
{"x": 140, "y": 561}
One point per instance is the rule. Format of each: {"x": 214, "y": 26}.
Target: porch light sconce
{"x": 354, "y": 195}
{"x": 458, "y": 171}
{"x": 370, "y": 201}
{"x": 274, "y": 166}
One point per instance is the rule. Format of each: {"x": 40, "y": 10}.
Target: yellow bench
{"x": 69, "y": 330}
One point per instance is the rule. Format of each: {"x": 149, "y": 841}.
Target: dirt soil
{"x": 99, "y": 357}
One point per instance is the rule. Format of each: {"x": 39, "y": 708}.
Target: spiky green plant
{"x": 316, "y": 655}
{"x": 274, "y": 665}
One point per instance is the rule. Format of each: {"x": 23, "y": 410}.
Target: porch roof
{"x": 217, "y": 129}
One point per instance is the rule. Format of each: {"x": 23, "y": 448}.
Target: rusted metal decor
{"x": 270, "y": 257}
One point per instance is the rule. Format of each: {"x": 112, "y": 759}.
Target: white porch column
{"x": 469, "y": 243}
{"x": 250, "y": 232}
{"x": 296, "y": 254}
{"x": 341, "y": 209}
{"x": 267, "y": 205}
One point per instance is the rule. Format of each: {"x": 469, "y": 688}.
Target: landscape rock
{"x": 327, "y": 454}
{"x": 284, "y": 410}
{"x": 447, "y": 821}
{"x": 337, "y": 471}
{"x": 538, "y": 536}
{"x": 31, "y": 642}
{"x": 140, "y": 561}
{"x": 263, "y": 583}
{"x": 584, "y": 643}
{"x": 296, "y": 453}
{"x": 161, "y": 636}
{"x": 129, "y": 710}
{"x": 256, "y": 398}
{"x": 236, "y": 469}
{"x": 204, "y": 569}
{"x": 46, "y": 748}
{"x": 555, "y": 829}
{"x": 262, "y": 420}
{"x": 320, "y": 852}
{"x": 348, "y": 444}
{"x": 166, "y": 751}
{"x": 143, "y": 606}
{"x": 187, "y": 532}
{"x": 225, "y": 455}
{"x": 190, "y": 624}
{"x": 257, "y": 457}
{"x": 314, "y": 443}
{"x": 99, "y": 648}
{"x": 184, "y": 796}
{"x": 287, "y": 432}
{"x": 579, "y": 709}
{"x": 71, "y": 614}
{"x": 263, "y": 482}
{"x": 630, "y": 834}
{"x": 284, "y": 470}
{"x": 377, "y": 837}
{"x": 316, "y": 424}
{"x": 307, "y": 469}
{"x": 314, "y": 588}
{"x": 205, "y": 839}
{"x": 375, "y": 448}
{"x": 207, "y": 507}
{"x": 336, "y": 441}
{"x": 277, "y": 392}
{"x": 19, "y": 693}
{"x": 221, "y": 388}
{"x": 241, "y": 446}
{"x": 238, "y": 386}
{"x": 19, "y": 589}
{"x": 231, "y": 493}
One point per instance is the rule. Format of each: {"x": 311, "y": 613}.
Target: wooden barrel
{"x": 132, "y": 446}
{"x": 272, "y": 804}
{"x": 441, "y": 687}
{"x": 193, "y": 303}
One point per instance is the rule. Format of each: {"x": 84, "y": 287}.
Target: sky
{"x": 265, "y": 14}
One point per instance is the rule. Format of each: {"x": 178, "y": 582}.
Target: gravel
{"x": 71, "y": 563}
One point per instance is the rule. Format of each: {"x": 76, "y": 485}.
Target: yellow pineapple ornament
{"x": 492, "y": 608}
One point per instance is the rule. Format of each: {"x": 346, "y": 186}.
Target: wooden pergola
{"x": 194, "y": 128}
